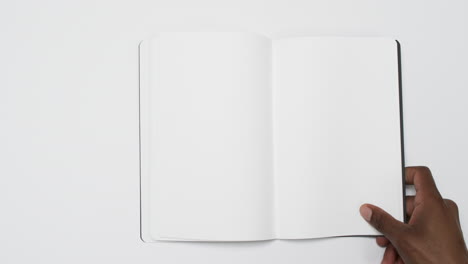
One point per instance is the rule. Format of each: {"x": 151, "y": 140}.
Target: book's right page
{"x": 337, "y": 141}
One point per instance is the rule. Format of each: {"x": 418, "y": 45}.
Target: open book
{"x": 248, "y": 138}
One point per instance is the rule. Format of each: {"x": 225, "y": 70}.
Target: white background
{"x": 69, "y": 118}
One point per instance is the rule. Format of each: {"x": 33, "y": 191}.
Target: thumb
{"x": 382, "y": 221}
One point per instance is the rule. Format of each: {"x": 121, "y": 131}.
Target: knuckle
{"x": 451, "y": 204}
{"x": 377, "y": 221}
{"x": 378, "y": 225}
{"x": 423, "y": 170}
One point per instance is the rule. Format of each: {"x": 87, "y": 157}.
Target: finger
{"x": 390, "y": 255}
{"x": 382, "y": 221}
{"x": 409, "y": 205}
{"x": 421, "y": 178}
{"x": 382, "y": 241}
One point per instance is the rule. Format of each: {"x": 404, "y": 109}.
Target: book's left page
{"x": 206, "y": 137}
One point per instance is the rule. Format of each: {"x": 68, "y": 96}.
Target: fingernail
{"x": 366, "y": 212}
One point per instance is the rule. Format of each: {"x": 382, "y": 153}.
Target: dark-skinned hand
{"x": 432, "y": 234}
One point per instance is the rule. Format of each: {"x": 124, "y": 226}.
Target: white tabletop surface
{"x": 69, "y": 186}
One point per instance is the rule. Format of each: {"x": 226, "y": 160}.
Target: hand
{"x": 432, "y": 234}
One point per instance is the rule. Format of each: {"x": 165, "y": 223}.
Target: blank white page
{"x": 336, "y": 134}
{"x": 206, "y": 137}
